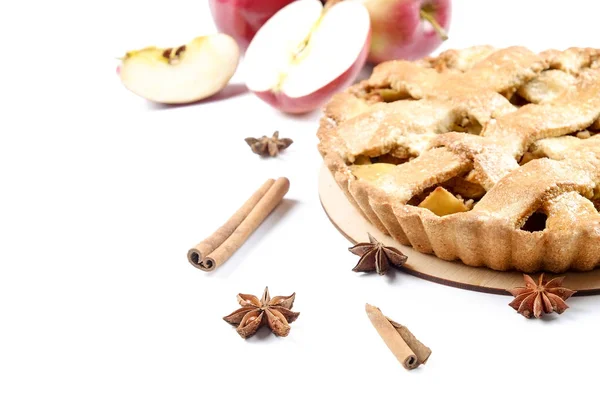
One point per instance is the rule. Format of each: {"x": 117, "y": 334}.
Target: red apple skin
{"x": 399, "y": 32}
{"x": 241, "y": 19}
{"x": 310, "y": 102}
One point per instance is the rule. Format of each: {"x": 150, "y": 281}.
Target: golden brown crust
{"x": 496, "y": 118}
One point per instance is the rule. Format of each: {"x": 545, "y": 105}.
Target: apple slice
{"x": 305, "y": 53}
{"x": 441, "y": 202}
{"x": 181, "y": 74}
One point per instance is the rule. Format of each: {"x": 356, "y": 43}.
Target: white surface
{"x": 103, "y": 194}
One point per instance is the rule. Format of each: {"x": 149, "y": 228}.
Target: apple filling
{"x": 383, "y": 94}
{"x": 453, "y": 196}
{"x": 387, "y": 95}
{"x": 384, "y": 158}
{"x": 596, "y": 200}
{"x": 465, "y": 188}
{"x": 529, "y": 156}
{"x": 372, "y": 168}
{"x": 467, "y": 125}
{"x": 590, "y": 131}
{"x": 517, "y": 100}
{"x": 584, "y": 134}
{"x": 557, "y": 147}
{"x": 371, "y": 172}
{"x": 441, "y": 202}
{"x": 458, "y": 194}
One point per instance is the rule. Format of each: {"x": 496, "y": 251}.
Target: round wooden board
{"x": 354, "y": 227}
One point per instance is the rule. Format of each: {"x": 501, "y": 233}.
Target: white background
{"x": 103, "y": 193}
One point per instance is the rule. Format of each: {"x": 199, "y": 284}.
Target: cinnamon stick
{"x": 220, "y": 246}
{"x": 402, "y": 343}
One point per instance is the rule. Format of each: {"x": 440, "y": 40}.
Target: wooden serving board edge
{"x": 354, "y": 227}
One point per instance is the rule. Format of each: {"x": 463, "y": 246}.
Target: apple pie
{"x": 484, "y": 155}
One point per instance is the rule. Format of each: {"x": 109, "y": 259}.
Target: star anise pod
{"x": 268, "y": 146}
{"x": 274, "y": 312}
{"x": 375, "y": 256}
{"x": 543, "y": 297}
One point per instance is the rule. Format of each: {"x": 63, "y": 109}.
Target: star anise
{"x": 268, "y": 146}
{"x": 375, "y": 256}
{"x": 274, "y": 312}
{"x": 543, "y": 297}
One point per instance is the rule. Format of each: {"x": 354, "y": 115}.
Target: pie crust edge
{"x": 476, "y": 241}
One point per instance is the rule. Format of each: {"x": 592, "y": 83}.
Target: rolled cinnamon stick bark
{"x": 220, "y": 246}
{"x": 402, "y": 343}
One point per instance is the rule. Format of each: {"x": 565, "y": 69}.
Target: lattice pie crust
{"x": 484, "y": 155}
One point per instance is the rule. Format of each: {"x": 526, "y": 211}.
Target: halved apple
{"x": 305, "y": 53}
{"x": 182, "y": 74}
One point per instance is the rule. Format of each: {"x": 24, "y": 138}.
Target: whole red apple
{"x": 407, "y": 29}
{"x": 241, "y": 19}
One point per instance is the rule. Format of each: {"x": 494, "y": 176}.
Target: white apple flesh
{"x": 182, "y": 74}
{"x": 304, "y": 54}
